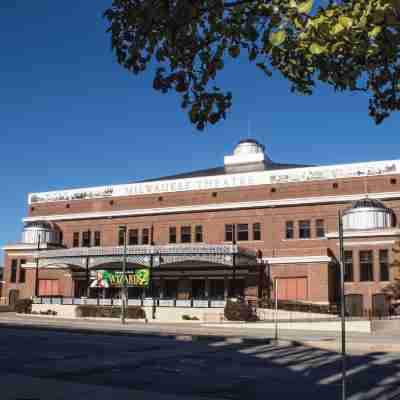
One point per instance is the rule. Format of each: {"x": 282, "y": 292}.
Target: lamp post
{"x": 37, "y": 268}
{"x": 233, "y": 290}
{"x": 123, "y": 287}
{"x": 342, "y": 304}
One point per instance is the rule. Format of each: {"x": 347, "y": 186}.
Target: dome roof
{"x": 39, "y": 225}
{"x": 368, "y": 203}
{"x": 366, "y": 213}
{"x": 248, "y": 146}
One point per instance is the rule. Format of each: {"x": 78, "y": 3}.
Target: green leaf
{"x": 315, "y": 48}
{"x": 375, "y": 32}
{"x": 337, "y": 29}
{"x": 277, "y": 38}
{"x": 346, "y": 22}
{"x": 305, "y": 7}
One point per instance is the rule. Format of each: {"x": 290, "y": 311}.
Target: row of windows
{"x": 14, "y": 271}
{"x": 304, "y": 229}
{"x": 186, "y": 234}
{"x": 135, "y": 237}
{"x": 240, "y": 232}
{"x": 366, "y": 262}
{"x": 84, "y": 239}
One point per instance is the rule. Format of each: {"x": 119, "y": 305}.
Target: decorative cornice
{"x": 363, "y": 234}
{"x": 215, "y": 207}
{"x": 223, "y": 181}
{"x": 297, "y": 260}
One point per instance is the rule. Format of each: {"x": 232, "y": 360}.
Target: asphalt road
{"x": 40, "y": 364}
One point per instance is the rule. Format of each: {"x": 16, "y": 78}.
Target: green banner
{"x": 108, "y": 279}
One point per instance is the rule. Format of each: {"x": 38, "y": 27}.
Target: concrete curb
{"x": 329, "y": 345}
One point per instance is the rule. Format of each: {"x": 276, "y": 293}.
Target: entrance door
{"x": 294, "y": 289}
{"x": 355, "y": 305}
{"x": 380, "y": 305}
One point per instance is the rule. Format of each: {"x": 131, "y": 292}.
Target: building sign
{"x": 222, "y": 181}
{"x": 108, "y": 279}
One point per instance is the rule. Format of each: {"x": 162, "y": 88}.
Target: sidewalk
{"x": 356, "y": 342}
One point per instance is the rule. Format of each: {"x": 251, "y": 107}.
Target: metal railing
{"x": 142, "y": 302}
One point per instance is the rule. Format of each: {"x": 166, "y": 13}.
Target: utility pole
{"x": 343, "y": 305}
{"x": 276, "y": 310}
{"x": 123, "y": 288}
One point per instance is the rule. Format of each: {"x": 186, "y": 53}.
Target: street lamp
{"x": 37, "y": 268}
{"x": 342, "y": 304}
{"x": 123, "y": 229}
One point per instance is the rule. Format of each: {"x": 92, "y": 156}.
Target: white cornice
{"x": 363, "y": 234}
{"x": 297, "y": 260}
{"x": 24, "y": 247}
{"x": 215, "y": 207}
{"x": 243, "y": 179}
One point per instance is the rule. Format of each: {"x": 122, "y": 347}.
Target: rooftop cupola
{"x": 368, "y": 214}
{"x": 248, "y": 155}
{"x": 48, "y": 233}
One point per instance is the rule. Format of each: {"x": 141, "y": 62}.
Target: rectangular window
{"x": 257, "y": 231}
{"x": 243, "y": 232}
{"x": 304, "y": 229}
{"x": 384, "y": 265}
{"x": 121, "y": 237}
{"x": 289, "y": 233}
{"x": 145, "y": 236}
{"x": 199, "y": 233}
{"x": 172, "y": 234}
{"x": 86, "y": 236}
{"x": 186, "y": 234}
{"x": 319, "y": 228}
{"x": 22, "y": 274}
{"x": 133, "y": 239}
{"x": 14, "y": 268}
{"x": 97, "y": 238}
{"x": 229, "y": 233}
{"x": 348, "y": 266}
{"x": 366, "y": 266}
{"x": 75, "y": 239}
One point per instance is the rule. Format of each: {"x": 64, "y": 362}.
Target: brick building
{"x": 203, "y": 234}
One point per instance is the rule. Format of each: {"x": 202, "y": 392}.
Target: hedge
{"x": 238, "y": 310}
{"x": 23, "y": 306}
{"x": 132, "y": 312}
{"x": 302, "y": 307}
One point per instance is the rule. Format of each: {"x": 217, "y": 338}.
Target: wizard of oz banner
{"x": 107, "y": 279}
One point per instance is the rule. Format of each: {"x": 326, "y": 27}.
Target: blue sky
{"x": 71, "y": 117}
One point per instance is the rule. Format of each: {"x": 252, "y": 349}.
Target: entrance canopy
{"x": 149, "y": 256}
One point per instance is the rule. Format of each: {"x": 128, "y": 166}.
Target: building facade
{"x": 214, "y": 233}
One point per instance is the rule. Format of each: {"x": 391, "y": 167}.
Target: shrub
{"x": 132, "y": 312}
{"x": 23, "y": 306}
{"x": 187, "y": 317}
{"x": 238, "y": 310}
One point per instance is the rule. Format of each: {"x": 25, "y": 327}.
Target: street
{"x": 45, "y": 364}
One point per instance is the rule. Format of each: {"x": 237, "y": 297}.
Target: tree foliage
{"x": 352, "y": 45}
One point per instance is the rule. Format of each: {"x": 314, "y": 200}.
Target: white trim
{"x": 372, "y": 243}
{"x": 215, "y": 207}
{"x": 362, "y": 234}
{"x": 297, "y": 260}
{"x": 23, "y": 246}
{"x": 307, "y": 174}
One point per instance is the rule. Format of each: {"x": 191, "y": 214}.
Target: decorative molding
{"x": 362, "y": 234}
{"x": 223, "y": 181}
{"x": 297, "y": 260}
{"x": 369, "y": 243}
{"x": 215, "y": 207}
